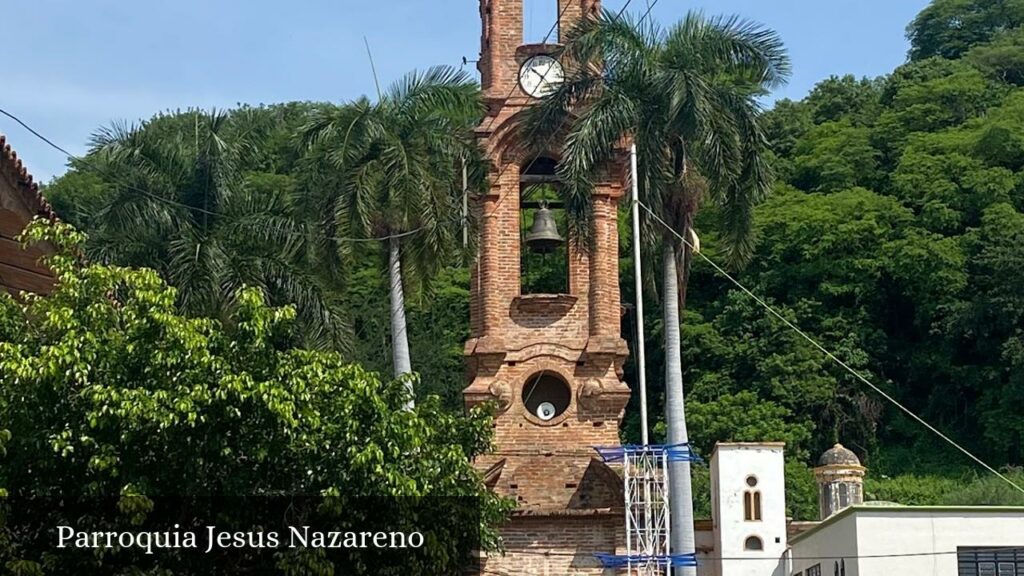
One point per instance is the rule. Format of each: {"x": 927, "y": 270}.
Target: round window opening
{"x": 546, "y": 396}
{"x": 751, "y": 481}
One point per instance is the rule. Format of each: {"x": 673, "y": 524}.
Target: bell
{"x": 543, "y": 237}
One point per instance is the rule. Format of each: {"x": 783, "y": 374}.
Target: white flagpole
{"x": 465, "y": 204}
{"x": 641, "y": 365}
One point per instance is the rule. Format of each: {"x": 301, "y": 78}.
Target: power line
{"x": 533, "y": 132}
{"x": 702, "y": 558}
{"x": 650, "y": 6}
{"x": 88, "y": 162}
{"x": 829, "y": 354}
{"x": 544, "y": 41}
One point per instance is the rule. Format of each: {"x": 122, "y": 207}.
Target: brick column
{"x": 502, "y": 34}
{"x": 499, "y": 250}
{"x": 572, "y": 11}
{"x": 605, "y": 308}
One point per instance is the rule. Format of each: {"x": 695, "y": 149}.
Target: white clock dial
{"x": 540, "y": 76}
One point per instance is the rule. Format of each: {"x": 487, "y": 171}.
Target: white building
{"x": 911, "y": 540}
{"x": 748, "y": 508}
{"x": 749, "y": 534}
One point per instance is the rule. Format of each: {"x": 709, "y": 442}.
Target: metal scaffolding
{"x": 648, "y": 528}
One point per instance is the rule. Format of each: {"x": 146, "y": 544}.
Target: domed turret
{"x": 839, "y": 455}
{"x": 840, "y": 479}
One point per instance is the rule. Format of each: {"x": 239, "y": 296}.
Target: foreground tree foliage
{"x": 107, "y": 389}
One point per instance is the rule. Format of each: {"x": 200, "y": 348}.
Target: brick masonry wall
{"x": 572, "y": 11}
{"x": 543, "y": 547}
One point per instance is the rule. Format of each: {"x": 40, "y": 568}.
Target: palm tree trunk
{"x": 399, "y": 338}
{"x": 684, "y": 260}
{"x": 680, "y": 490}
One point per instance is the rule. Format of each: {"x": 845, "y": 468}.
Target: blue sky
{"x": 71, "y": 67}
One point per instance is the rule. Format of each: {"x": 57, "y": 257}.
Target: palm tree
{"x": 686, "y": 96}
{"x": 396, "y": 177}
{"x": 179, "y": 198}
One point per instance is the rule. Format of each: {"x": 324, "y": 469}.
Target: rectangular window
{"x": 814, "y": 570}
{"x": 990, "y": 561}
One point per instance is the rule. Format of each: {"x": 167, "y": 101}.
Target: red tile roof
{"x": 12, "y": 166}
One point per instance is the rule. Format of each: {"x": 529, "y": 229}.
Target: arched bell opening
{"x": 546, "y": 396}
{"x": 544, "y": 254}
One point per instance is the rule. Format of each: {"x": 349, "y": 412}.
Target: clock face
{"x": 540, "y": 76}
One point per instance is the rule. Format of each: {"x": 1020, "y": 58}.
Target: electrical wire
{"x": 547, "y": 37}
{"x": 533, "y": 132}
{"x": 168, "y": 201}
{"x": 702, "y": 558}
{"x": 86, "y": 161}
{"x": 829, "y": 353}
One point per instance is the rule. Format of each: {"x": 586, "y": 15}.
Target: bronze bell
{"x": 543, "y": 237}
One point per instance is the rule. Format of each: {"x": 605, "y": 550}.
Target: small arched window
{"x": 753, "y": 543}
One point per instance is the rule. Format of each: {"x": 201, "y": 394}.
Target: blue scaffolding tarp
{"x": 673, "y": 452}
{"x": 626, "y": 561}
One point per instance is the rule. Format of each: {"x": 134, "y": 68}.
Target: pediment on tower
{"x": 556, "y": 484}
{"x": 509, "y": 140}
{"x": 511, "y": 144}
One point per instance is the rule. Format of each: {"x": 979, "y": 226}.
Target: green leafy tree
{"x": 950, "y": 191}
{"x": 988, "y": 328}
{"x": 909, "y": 489}
{"x": 949, "y": 28}
{"x": 987, "y": 491}
{"x": 845, "y": 98}
{"x": 397, "y": 176}
{"x": 834, "y": 156}
{"x": 1003, "y": 58}
{"x": 785, "y": 126}
{"x": 106, "y": 388}
{"x": 929, "y": 96}
{"x": 743, "y": 417}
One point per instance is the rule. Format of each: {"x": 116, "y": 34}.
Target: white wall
{"x": 705, "y": 541}
{"x": 837, "y": 539}
{"x": 890, "y": 532}
{"x": 731, "y": 465}
{"x": 910, "y": 536}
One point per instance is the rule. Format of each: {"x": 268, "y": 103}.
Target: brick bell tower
{"x": 552, "y": 362}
